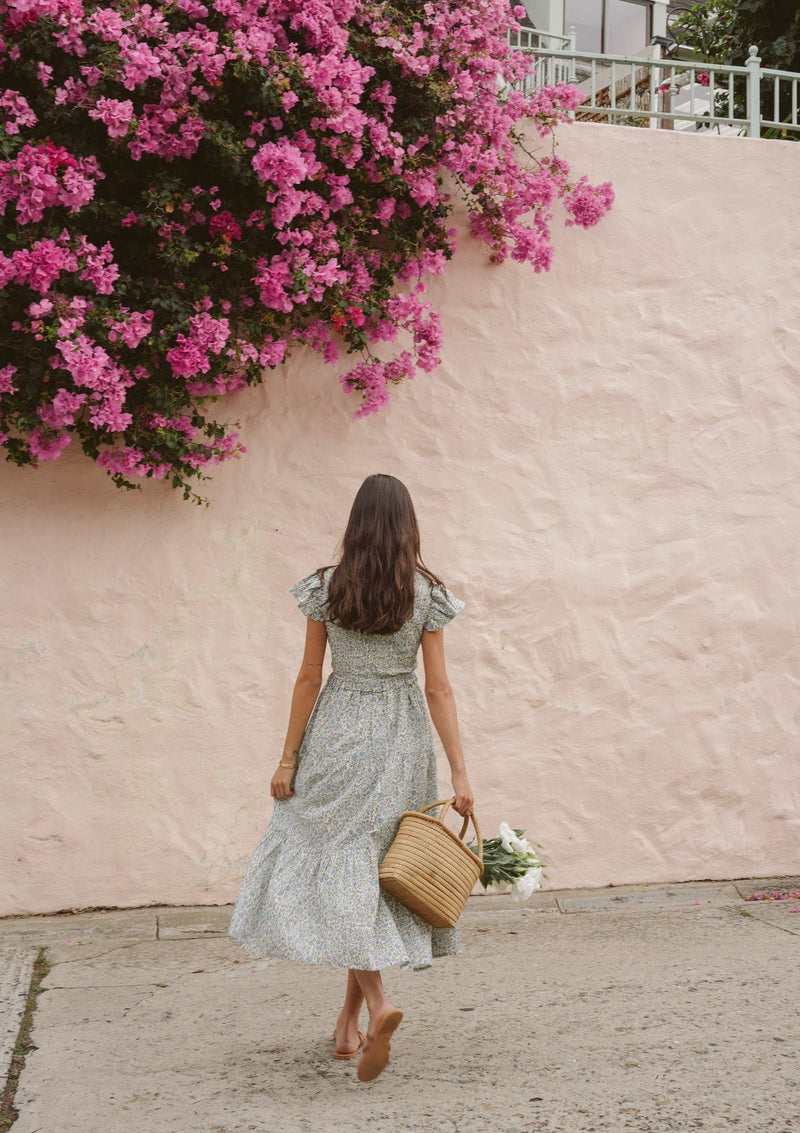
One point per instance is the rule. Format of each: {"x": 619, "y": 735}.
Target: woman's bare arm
{"x": 304, "y": 697}
{"x": 442, "y": 707}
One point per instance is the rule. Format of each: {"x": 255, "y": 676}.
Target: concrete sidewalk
{"x": 635, "y": 1008}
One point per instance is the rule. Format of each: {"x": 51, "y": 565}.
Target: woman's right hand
{"x": 282, "y": 783}
{"x": 463, "y": 793}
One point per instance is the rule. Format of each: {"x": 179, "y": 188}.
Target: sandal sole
{"x": 374, "y": 1060}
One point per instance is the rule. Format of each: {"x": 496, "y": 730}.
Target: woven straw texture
{"x": 429, "y": 868}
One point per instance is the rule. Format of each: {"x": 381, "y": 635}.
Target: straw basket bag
{"x": 428, "y": 868}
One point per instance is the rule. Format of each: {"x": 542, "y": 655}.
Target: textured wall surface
{"x": 607, "y": 470}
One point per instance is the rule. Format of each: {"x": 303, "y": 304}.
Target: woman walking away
{"x": 356, "y": 755}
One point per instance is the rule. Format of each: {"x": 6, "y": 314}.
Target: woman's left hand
{"x": 281, "y": 785}
{"x": 464, "y": 798}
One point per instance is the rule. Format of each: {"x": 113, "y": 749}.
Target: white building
{"x": 610, "y": 27}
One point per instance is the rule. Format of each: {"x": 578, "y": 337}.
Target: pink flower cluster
{"x": 91, "y": 367}
{"x": 774, "y": 895}
{"x": 131, "y": 327}
{"x": 116, "y": 114}
{"x": 44, "y": 176}
{"x": 206, "y": 336}
{"x": 330, "y": 136}
{"x": 17, "y": 112}
{"x": 62, "y": 410}
{"x": 40, "y": 266}
{"x": 6, "y": 382}
{"x": 47, "y": 446}
{"x": 587, "y": 204}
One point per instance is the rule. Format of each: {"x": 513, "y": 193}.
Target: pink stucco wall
{"x": 607, "y": 470}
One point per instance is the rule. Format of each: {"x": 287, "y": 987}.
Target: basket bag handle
{"x": 444, "y": 804}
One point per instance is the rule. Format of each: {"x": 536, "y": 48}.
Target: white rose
{"x": 507, "y": 837}
{"x": 529, "y": 881}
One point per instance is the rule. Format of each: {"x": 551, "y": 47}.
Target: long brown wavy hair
{"x": 372, "y": 587}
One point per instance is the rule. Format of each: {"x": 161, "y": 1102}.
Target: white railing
{"x": 785, "y": 87}
{"x": 674, "y": 94}
{"x": 531, "y": 39}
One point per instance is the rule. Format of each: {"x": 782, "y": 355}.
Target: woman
{"x": 356, "y": 756}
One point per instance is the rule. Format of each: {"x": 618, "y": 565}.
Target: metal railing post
{"x": 753, "y": 64}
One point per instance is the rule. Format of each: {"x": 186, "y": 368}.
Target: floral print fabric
{"x": 310, "y": 891}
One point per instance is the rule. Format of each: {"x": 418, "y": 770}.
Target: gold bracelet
{"x": 282, "y": 764}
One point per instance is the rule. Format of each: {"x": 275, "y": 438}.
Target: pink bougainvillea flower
{"x": 192, "y": 190}
{"x": 116, "y": 114}
{"x": 47, "y": 447}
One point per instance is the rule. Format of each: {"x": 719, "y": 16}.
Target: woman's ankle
{"x": 378, "y": 1007}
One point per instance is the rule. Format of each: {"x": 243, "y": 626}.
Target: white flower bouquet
{"x": 511, "y": 862}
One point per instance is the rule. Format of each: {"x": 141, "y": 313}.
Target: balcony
{"x": 658, "y": 93}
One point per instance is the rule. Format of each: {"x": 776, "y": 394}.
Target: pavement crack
{"x": 94, "y": 987}
{"x": 142, "y": 999}
{"x": 96, "y": 955}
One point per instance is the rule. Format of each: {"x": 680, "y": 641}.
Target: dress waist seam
{"x": 374, "y": 684}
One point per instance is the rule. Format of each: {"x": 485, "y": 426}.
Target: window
{"x": 586, "y": 16}
{"x": 627, "y": 27}
{"x": 614, "y": 27}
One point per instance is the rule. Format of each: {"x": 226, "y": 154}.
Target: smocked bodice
{"x": 364, "y": 660}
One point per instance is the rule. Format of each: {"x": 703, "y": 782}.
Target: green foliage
{"x": 503, "y": 866}
{"x": 722, "y": 31}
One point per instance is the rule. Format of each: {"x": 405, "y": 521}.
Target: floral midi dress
{"x": 310, "y": 891}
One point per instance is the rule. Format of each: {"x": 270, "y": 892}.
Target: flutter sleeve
{"x": 311, "y": 593}
{"x": 443, "y": 608}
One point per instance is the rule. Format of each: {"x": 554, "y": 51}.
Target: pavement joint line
{"x": 791, "y": 931}
{"x": 627, "y": 897}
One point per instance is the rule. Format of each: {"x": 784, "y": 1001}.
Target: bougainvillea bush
{"x": 190, "y": 190}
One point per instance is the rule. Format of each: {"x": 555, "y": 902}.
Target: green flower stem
{"x": 502, "y": 866}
